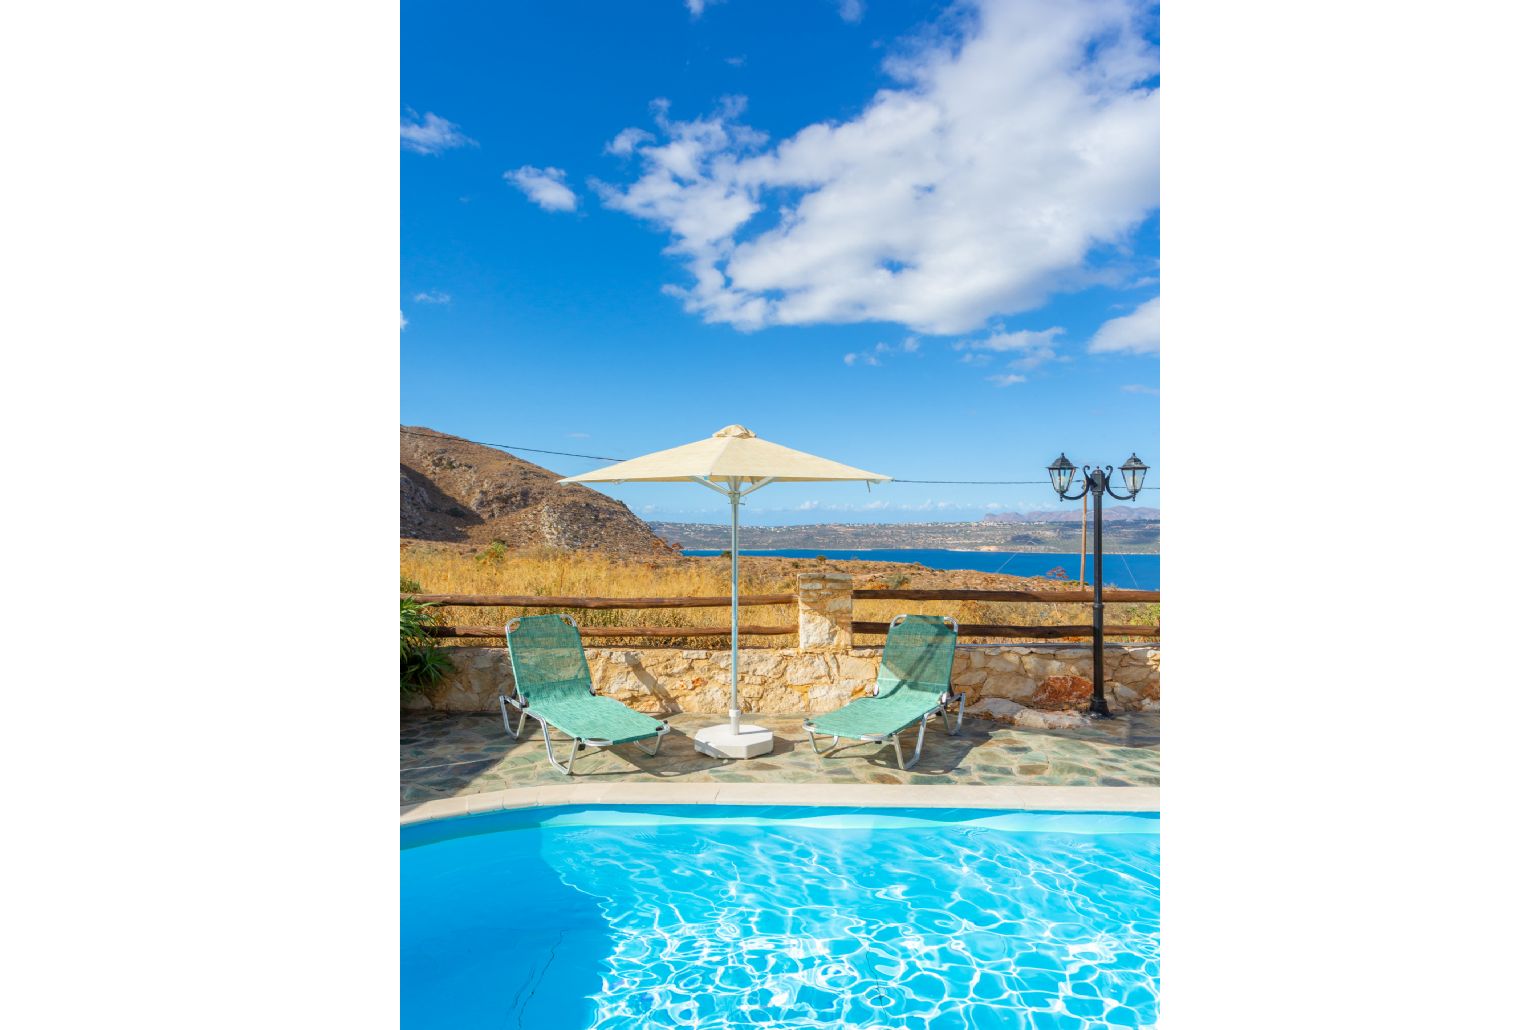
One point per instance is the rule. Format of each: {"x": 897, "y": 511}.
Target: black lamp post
{"x": 1061, "y": 473}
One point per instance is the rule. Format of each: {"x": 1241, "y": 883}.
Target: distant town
{"x": 1129, "y": 535}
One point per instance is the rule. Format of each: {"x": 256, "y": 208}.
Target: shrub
{"x": 422, "y": 663}
{"x": 494, "y": 554}
{"x": 410, "y": 586}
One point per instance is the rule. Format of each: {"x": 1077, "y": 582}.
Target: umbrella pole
{"x": 733, "y": 713}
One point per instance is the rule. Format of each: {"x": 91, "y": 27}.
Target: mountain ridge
{"x": 453, "y": 490}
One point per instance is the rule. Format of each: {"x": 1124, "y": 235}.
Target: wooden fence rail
{"x": 1038, "y": 632}
{"x": 752, "y": 600}
{"x": 626, "y": 631}
{"x": 1047, "y": 596}
{"x": 541, "y": 601}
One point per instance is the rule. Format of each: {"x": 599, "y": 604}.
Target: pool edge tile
{"x": 852, "y": 795}
{"x": 438, "y": 808}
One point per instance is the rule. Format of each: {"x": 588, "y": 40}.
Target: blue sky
{"x": 918, "y": 238}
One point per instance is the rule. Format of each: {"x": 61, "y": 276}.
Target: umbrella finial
{"x": 735, "y": 431}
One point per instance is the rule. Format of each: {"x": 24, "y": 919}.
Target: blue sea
{"x": 1128, "y": 571}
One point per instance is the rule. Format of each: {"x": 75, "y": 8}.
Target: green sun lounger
{"x": 914, "y": 683}
{"x": 552, "y": 685}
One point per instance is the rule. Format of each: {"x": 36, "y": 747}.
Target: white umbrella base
{"x": 722, "y": 742}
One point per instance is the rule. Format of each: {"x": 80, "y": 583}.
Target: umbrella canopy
{"x": 733, "y": 462}
{"x": 728, "y": 454}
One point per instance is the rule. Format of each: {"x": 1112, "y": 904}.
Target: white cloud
{"x": 1153, "y": 391}
{"x": 1027, "y": 349}
{"x": 852, "y": 10}
{"x": 976, "y": 188}
{"x": 403, "y": 321}
{"x": 431, "y": 297}
{"x": 432, "y": 134}
{"x": 833, "y": 506}
{"x": 625, "y": 142}
{"x": 544, "y": 186}
{"x": 698, "y": 7}
{"x": 910, "y": 345}
{"x": 1136, "y": 333}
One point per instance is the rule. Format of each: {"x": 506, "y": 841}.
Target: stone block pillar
{"x": 824, "y": 608}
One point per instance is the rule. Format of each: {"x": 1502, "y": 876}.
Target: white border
{"x": 830, "y": 795}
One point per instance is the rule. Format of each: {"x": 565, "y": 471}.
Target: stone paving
{"x": 448, "y": 755}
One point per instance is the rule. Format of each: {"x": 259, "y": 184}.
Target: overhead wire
{"x": 604, "y": 457}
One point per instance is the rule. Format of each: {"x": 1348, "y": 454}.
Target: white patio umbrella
{"x": 733, "y": 462}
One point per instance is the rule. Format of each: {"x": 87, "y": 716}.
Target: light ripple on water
{"x": 859, "y": 929}
{"x": 808, "y": 926}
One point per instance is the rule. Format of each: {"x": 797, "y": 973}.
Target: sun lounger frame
{"x": 518, "y": 702}
{"x": 943, "y": 701}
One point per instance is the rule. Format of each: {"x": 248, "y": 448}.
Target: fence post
{"x": 824, "y": 609}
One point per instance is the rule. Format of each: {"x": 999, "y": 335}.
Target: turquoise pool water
{"x": 780, "y": 917}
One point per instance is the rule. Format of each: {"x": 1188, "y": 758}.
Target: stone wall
{"x": 1027, "y": 685}
{"x": 1033, "y": 685}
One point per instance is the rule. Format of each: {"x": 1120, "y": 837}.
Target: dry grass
{"x": 442, "y": 569}
{"x": 450, "y": 569}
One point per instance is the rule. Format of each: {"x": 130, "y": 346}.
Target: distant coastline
{"x": 1124, "y": 536}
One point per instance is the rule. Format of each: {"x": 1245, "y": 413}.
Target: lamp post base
{"x": 721, "y": 742}
{"x": 1099, "y": 709}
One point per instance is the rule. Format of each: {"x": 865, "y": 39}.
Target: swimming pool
{"x": 692, "y": 916}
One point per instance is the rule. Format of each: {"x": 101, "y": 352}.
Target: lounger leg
{"x": 919, "y": 744}
{"x": 518, "y": 732}
{"x": 551, "y": 755}
{"x": 962, "y": 702}
{"x": 814, "y": 741}
{"x": 656, "y": 744}
{"x": 503, "y": 701}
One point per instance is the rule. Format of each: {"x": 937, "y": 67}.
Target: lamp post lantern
{"x": 1061, "y": 474}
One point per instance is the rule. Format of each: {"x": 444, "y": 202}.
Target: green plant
{"x": 894, "y": 580}
{"x": 410, "y": 586}
{"x": 422, "y": 662}
{"x": 494, "y": 554}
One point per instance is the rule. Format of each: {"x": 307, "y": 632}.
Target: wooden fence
{"x": 755, "y": 600}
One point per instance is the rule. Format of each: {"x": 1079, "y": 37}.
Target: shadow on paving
{"x": 450, "y": 754}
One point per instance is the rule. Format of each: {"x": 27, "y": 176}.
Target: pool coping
{"x": 843, "y": 795}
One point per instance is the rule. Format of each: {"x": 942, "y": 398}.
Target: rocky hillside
{"x": 457, "y": 491}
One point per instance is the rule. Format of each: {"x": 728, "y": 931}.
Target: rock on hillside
{"x": 458, "y": 491}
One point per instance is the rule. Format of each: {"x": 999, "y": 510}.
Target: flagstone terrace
{"x": 446, "y": 755}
